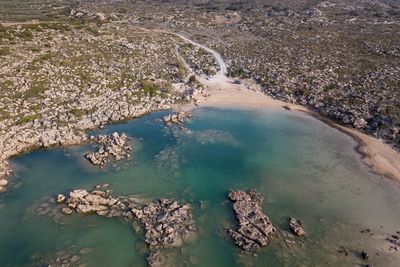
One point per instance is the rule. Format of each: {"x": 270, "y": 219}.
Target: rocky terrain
{"x": 86, "y": 69}
{"x": 59, "y": 79}
{"x": 340, "y": 58}
{"x": 176, "y": 118}
{"x": 111, "y": 147}
{"x": 165, "y": 222}
{"x": 254, "y": 229}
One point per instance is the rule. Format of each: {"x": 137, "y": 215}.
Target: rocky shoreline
{"x": 43, "y": 133}
{"x": 54, "y": 94}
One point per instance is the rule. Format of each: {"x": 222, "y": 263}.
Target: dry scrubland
{"x": 60, "y": 78}
{"x": 340, "y": 58}
{"x": 82, "y": 69}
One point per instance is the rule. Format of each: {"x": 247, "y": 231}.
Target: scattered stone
{"x": 297, "y": 227}
{"x": 176, "y": 118}
{"x": 113, "y": 146}
{"x": 158, "y": 258}
{"x": 394, "y": 240}
{"x": 63, "y": 258}
{"x": 166, "y": 223}
{"x": 254, "y": 227}
{"x": 66, "y": 211}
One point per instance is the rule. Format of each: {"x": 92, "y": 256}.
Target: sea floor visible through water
{"x": 301, "y": 166}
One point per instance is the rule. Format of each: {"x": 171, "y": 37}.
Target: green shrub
{"x": 78, "y": 112}
{"x": 28, "y": 118}
{"x": 35, "y": 90}
{"x": 182, "y": 72}
{"x": 149, "y": 88}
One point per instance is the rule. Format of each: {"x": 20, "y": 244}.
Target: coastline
{"x": 379, "y": 157}
{"x": 221, "y": 91}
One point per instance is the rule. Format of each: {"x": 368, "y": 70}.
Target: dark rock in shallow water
{"x": 364, "y": 255}
{"x": 297, "y": 227}
{"x": 254, "y": 227}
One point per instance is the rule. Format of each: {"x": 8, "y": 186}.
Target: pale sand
{"x": 381, "y": 158}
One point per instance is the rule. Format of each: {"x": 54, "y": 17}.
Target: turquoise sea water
{"x": 302, "y": 167}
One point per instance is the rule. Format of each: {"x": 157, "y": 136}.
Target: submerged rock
{"x": 67, "y": 257}
{"x": 3, "y": 184}
{"x": 176, "y": 118}
{"x": 113, "y": 146}
{"x": 66, "y": 211}
{"x": 297, "y": 227}
{"x": 254, "y": 227}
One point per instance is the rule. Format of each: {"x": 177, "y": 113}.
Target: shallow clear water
{"x": 302, "y": 167}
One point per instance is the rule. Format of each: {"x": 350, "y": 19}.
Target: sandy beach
{"x": 380, "y": 158}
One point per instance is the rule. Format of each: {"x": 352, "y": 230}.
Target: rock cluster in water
{"x": 254, "y": 227}
{"x": 166, "y": 223}
{"x": 176, "y": 118}
{"x": 297, "y": 227}
{"x": 3, "y": 184}
{"x": 113, "y": 146}
{"x": 65, "y": 258}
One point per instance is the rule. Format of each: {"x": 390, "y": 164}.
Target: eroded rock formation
{"x": 176, "y": 118}
{"x": 254, "y": 229}
{"x": 115, "y": 147}
{"x": 297, "y": 227}
{"x": 166, "y": 223}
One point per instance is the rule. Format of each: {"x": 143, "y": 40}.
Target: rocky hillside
{"x": 340, "y": 58}
{"x": 58, "y": 79}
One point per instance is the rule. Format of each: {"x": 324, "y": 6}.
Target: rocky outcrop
{"x": 48, "y": 103}
{"x": 111, "y": 147}
{"x": 84, "y": 202}
{"x": 176, "y": 118}
{"x": 254, "y": 229}
{"x": 166, "y": 223}
{"x": 297, "y": 227}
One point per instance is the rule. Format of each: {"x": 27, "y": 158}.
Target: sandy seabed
{"x": 381, "y": 158}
